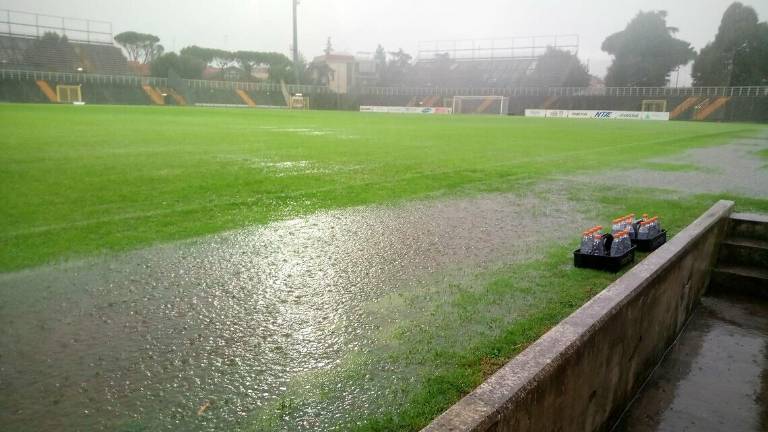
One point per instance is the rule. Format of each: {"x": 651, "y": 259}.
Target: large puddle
{"x": 197, "y": 335}
{"x": 735, "y": 168}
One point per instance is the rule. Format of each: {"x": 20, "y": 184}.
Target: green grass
{"x": 764, "y": 154}
{"x": 78, "y": 181}
{"x": 669, "y": 167}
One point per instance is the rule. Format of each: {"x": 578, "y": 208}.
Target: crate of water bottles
{"x": 615, "y": 249}
{"x": 647, "y": 233}
{"x": 610, "y": 251}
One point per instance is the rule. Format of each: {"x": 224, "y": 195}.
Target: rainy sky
{"x": 359, "y": 25}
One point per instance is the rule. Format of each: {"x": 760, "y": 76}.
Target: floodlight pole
{"x": 295, "y": 42}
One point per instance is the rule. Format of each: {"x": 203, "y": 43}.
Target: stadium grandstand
{"x": 43, "y": 58}
{"x": 485, "y": 62}
{"x": 58, "y": 44}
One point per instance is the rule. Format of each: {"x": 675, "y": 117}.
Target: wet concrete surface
{"x": 735, "y": 168}
{"x": 198, "y": 334}
{"x": 715, "y": 378}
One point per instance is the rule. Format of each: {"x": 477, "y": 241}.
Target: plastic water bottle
{"x": 629, "y": 223}
{"x": 586, "y": 241}
{"x": 598, "y": 248}
{"x": 627, "y": 241}
{"x": 616, "y": 245}
{"x": 643, "y": 232}
{"x": 616, "y": 226}
{"x": 655, "y": 227}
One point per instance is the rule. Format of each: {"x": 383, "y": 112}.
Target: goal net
{"x": 497, "y": 105}
{"x": 69, "y": 93}
{"x": 654, "y": 105}
{"x": 299, "y": 102}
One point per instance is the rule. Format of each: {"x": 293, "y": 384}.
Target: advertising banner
{"x": 406, "y": 110}
{"x": 594, "y": 114}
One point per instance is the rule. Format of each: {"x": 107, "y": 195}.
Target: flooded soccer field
{"x": 226, "y": 322}
{"x": 305, "y": 271}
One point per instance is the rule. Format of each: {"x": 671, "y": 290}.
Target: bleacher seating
{"x": 102, "y": 59}
{"x": 57, "y": 56}
{"x": 12, "y": 51}
{"x": 472, "y": 73}
{"x": 52, "y": 56}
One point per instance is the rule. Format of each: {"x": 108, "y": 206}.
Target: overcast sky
{"x": 359, "y": 25}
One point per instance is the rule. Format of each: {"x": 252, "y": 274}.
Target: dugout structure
{"x": 69, "y": 93}
{"x": 494, "y": 105}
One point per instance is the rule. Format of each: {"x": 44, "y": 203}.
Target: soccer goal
{"x": 69, "y": 93}
{"x": 299, "y": 102}
{"x": 654, "y": 105}
{"x": 497, "y": 105}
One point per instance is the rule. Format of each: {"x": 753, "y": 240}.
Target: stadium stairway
{"x": 487, "y": 102}
{"x": 177, "y": 97}
{"x": 86, "y": 63}
{"x": 286, "y": 94}
{"x": 154, "y": 95}
{"x": 430, "y": 101}
{"x": 683, "y": 107}
{"x": 549, "y": 102}
{"x": 709, "y": 108}
{"x": 47, "y": 90}
{"x": 105, "y": 59}
{"x": 742, "y": 264}
{"x": 245, "y": 97}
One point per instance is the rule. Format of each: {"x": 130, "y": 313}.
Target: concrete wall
{"x": 582, "y": 374}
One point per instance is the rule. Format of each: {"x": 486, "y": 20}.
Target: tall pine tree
{"x": 739, "y": 54}
{"x": 645, "y": 52}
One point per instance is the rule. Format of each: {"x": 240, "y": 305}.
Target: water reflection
{"x": 196, "y": 335}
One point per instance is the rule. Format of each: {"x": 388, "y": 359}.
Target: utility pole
{"x": 295, "y": 42}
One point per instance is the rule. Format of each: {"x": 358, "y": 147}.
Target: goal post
{"x": 654, "y": 105}
{"x": 69, "y": 93}
{"x": 299, "y": 102}
{"x": 495, "y": 105}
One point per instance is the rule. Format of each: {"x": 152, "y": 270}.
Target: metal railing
{"x": 82, "y": 78}
{"x": 753, "y": 91}
{"x": 33, "y": 25}
{"x": 232, "y": 85}
{"x": 255, "y": 86}
{"x": 89, "y": 78}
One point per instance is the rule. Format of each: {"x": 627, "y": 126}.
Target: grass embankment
{"x": 76, "y": 181}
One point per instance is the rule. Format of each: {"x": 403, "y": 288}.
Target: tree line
{"x": 191, "y": 61}
{"x": 645, "y": 53}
